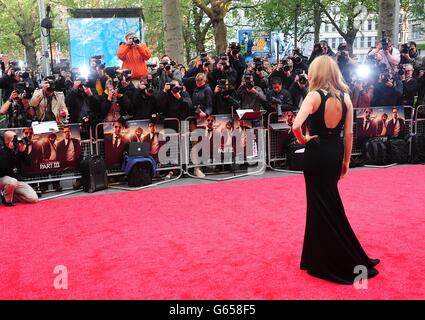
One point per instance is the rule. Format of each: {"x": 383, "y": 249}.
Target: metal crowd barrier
{"x": 255, "y": 165}
{"x": 86, "y": 149}
{"x": 174, "y": 151}
{"x": 420, "y": 122}
{"x": 408, "y": 130}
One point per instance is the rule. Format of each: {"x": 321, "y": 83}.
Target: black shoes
{"x": 7, "y": 204}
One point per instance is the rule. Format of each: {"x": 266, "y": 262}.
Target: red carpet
{"x": 231, "y": 240}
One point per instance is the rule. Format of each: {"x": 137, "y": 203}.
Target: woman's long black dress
{"x": 331, "y": 250}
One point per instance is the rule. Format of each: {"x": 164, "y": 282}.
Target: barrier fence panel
{"x": 170, "y": 150}
{"x": 52, "y": 175}
{"x": 419, "y": 121}
{"x": 221, "y": 146}
{"x": 408, "y": 128}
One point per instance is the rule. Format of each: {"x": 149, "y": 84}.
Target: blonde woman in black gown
{"x": 331, "y": 250}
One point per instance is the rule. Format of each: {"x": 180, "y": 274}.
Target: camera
{"x": 21, "y": 88}
{"x": 50, "y": 84}
{"x": 203, "y": 55}
{"x": 297, "y": 56}
{"x": 235, "y": 48}
{"x": 258, "y": 64}
{"x": 16, "y": 141}
{"x": 405, "y": 48}
{"x": 384, "y": 41}
{"x": 249, "y": 83}
{"x": 135, "y": 40}
{"x": 175, "y": 88}
{"x": 317, "y": 49}
{"x": 302, "y": 76}
{"x": 286, "y": 67}
{"x": 221, "y": 83}
{"x": 401, "y": 70}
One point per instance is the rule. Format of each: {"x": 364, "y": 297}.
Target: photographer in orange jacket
{"x": 134, "y": 56}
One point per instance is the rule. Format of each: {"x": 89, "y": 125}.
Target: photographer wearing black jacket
{"x": 202, "y": 97}
{"x": 388, "y": 90}
{"x": 298, "y": 90}
{"x": 174, "y": 102}
{"x": 250, "y": 96}
{"x": 17, "y": 108}
{"x": 285, "y": 71}
{"x": 224, "y": 98}
{"x": 145, "y": 100}
{"x": 279, "y": 99}
{"x": 410, "y": 86}
{"x": 236, "y": 60}
{"x": 167, "y": 72}
{"x": 83, "y": 106}
{"x": 9, "y": 80}
{"x": 13, "y": 156}
{"x": 222, "y": 70}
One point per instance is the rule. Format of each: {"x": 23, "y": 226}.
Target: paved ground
{"x": 183, "y": 181}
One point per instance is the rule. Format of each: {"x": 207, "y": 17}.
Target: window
{"x": 362, "y": 45}
{"x": 416, "y": 31}
{"x": 355, "y": 43}
{"x": 326, "y": 28}
{"x": 369, "y": 25}
{"x": 333, "y": 43}
{"x": 369, "y": 42}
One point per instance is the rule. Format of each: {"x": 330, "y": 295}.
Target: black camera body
{"x": 18, "y": 140}
{"x": 249, "y": 82}
{"x": 221, "y": 83}
{"x": 175, "y": 88}
{"x": 258, "y": 64}
{"x": 235, "y": 48}
{"x": 285, "y": 65}
{"x": 384, "y": 41}
{"x": 51, "y": 85}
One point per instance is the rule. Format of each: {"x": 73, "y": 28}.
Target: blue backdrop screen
{"x": 99, "y": 36}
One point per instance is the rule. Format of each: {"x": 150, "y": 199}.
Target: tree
{"x": 174, "y": 45}
{"x": 216, "y": 11}
{"x": 386, "y": 17}
{"x": 24, "y": 25}
{"x": 348, "y": 15}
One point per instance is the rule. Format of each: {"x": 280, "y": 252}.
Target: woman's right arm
{"x": 348, "y": 135}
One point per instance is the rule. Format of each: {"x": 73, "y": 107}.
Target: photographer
{"x": 64, "y": 82}
{"x": 224, "y": 97}
{"x": 285, "y": 71}
{"x": 421, "y": 87}
{"x": 385, "y": 53}
{"x": 134, "y": 56}
{"x": 83, "y": 105}
{"x": 13, "y": 156}
{"x": 114, "y": 104}
{"x": 222, "y": 70}
{"x": 202, "y": 97}
{"x": 250, "y": 96}
{"x": 102, "y": 77}
{"x": 174, "y": 102}
{"x": 236, "y": 60}
{"x": 300, "y": 61}
{"x": 279, "y": 99}
{"x": 144, "y": 100}
{"x": 410, "y": 86}
{"x": 167, "y": 72}
{"x": 388, "y": 90}
{"x": 18, "y": 110}
{"x": 410, "y": 54}
{"x": 344, "y": 63}
{"x": 201, "y": 65}
{"x": 49, "y": 104}
{"x": 259, "y": 74}
{"x": 298, "y": 90}
{"x": 11, "y": 77}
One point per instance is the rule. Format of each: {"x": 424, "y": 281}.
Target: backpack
{"x": 376, "y": 152}
{"x": 140, "y": 175}
{"x": 398, "y": 151}
{"x": 417, "y": 148}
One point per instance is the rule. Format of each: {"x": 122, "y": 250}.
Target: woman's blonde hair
{"x": 201, "y": 77}
{"x": 324, "y": 73}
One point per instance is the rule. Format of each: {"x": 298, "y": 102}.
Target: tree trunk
{"x": 317, "y": 21}
{"x": 220, "y": 35}
{"x": 174, "y": 43}
{"x": 386, "y": 18}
